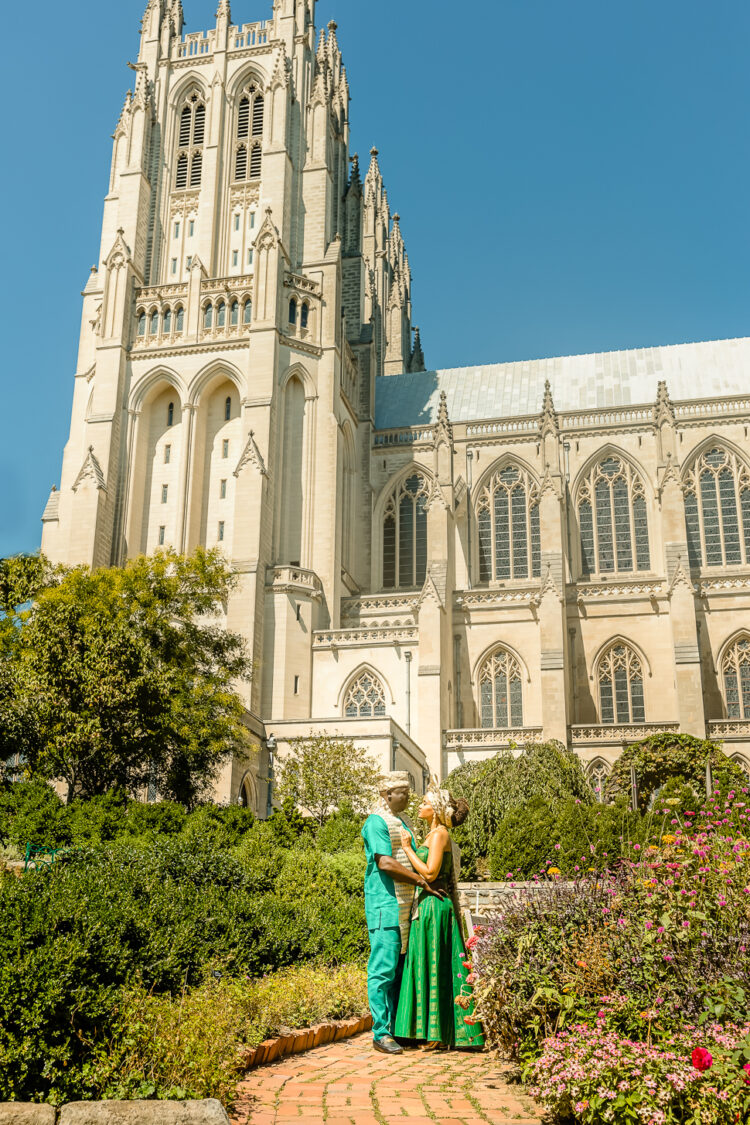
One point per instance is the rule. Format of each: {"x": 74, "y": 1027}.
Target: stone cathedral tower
{"x": 439, "y": 564}
{"x": 250, "y": 288}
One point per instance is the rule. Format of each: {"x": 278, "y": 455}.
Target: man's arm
{"x": 402, "y": 874}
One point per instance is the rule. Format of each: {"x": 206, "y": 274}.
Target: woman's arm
{"x": 438, "y": 844}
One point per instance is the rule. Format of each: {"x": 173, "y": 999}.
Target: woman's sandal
{"x": 434, "y": 1045}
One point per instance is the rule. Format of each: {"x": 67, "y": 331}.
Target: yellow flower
{"x": 668, "y": 839}
{"x": 553, "y": 871}
{"x": 653, "y": 848}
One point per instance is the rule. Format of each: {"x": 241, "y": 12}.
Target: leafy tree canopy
{"x": 325, "y": 773}
{"x": 125, "y": 676}
{"x": 670, "y": 755}
{"x": 496, "y": 786}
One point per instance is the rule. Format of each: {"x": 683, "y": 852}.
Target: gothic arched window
{"x": 247, "y": 312}
{"x": 248, "y": 152}
{"x": 228, "y": 409}
{"x": 717, "y": 510}
{"x": 612, "y": 518}
{"x": 736, "y": 669}
{"x": 304, "y": 314}
{"x": 597, "y": 772}
{"x": 405, "y": 534}
{"x": 500, "y": 693}
{"x": 741, "y": 761}
{"x": 508, "y": 525}
{"x": 190, "y": 143}
{"x": 620, "y": 686}
{"x": 170, "y": 414}
{"x": 154, "y": 325}
{"x": 292, "y": 311}
{"x": 234, "y": 314}
{"x": 167, "y": 327}
{"x": 142, "y": 324}
{"x": 208, "y": 316}
{"x": 221, "y": 314}
{"x": 365, "y": 698}
{"x": 180, "y": 319}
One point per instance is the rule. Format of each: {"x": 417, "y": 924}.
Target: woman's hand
{"x": 405, "y": 841}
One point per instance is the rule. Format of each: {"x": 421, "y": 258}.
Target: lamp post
{"x": 634, "y": 788}
{"x": 270, "y": 747}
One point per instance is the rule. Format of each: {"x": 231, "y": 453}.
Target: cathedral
{"x": 436, "y": 563}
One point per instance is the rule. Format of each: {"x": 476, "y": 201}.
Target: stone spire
{"x": 416, "y": 362}
{"x": 224, "y": 10}
{"x": 443, "y": 428}
{"x": 663, "y": 408}
{"x": 548, "y": 423}
{"x": 354, "y": 177}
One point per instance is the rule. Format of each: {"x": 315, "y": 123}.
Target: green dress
{"x": 434, "y": 973}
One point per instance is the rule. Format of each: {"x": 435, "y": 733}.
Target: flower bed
{"x": 617, "y": 977}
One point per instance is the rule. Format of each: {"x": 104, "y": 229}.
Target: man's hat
{"x": 393, "y": 780}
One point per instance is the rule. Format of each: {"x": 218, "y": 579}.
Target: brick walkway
{"x": 348, "y": 1083}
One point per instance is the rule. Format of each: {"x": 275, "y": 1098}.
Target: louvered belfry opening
{"x": 248, "y": 151}
{"x": 192, "y": 135}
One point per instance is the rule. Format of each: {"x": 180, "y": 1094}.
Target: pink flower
{"x": 746, "y": 1069}
{"x": 701, "y": 1058}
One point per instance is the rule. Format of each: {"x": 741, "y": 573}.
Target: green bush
{"x": 159, "y": 917}
{"x": 31, "y": 812}
{"x": 187, "y": 1047}
{"x": 496, "y": 786}
{"x": 672, "y": 755}
{"x": 341, "y": 832}
{"x": 571, "y": 837}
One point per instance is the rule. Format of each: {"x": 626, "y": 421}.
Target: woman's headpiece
{"x": 441, "y": 801}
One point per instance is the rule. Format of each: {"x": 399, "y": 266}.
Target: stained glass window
{"x": 597, "y": 772}
{"x": 365, "y": 697}
{"x": 405, "y": 534}
{"x": 500, "y": 691}
{"x": 621, "y": 686}
{"x": 717, "y": 510}
{"x": 508, "y": 526}
{"x": 612, "y": 519}
{"x": 736, "y": 669}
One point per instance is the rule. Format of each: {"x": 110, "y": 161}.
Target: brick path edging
{"x": 295, "y": 1042}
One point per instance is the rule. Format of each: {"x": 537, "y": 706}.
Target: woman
{"x": 434, "y": 972}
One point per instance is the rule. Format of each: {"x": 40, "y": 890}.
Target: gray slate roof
{"x": 708, "y": 370}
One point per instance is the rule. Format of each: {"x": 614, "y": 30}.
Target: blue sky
{"x": 572, "y": 177}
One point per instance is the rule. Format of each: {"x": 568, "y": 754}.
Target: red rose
{"x": 702, "y": 1059}
{"x": 467, "y": 965}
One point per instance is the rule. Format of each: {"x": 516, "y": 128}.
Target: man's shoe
{"x": 387, "y": 1045}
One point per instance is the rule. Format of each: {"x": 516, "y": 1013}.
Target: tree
{"x": 132, "y": 677}
{"x": 325, "y": 772}
{"x": 498, "y": 785}
{"x": 671, "y": 755}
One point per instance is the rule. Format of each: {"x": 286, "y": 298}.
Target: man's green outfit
{"x": 388, "y": 909}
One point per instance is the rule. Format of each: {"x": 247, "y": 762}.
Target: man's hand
{"x": 425, "y": 886}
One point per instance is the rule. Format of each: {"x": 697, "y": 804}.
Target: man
{"x": 389, "y": 892}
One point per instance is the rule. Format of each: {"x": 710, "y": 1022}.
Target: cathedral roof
{"x": 707, "y": 370}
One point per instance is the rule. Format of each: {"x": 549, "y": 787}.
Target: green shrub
{"x": 71, "y": 936}
{"x": 31, "y": 812}
{"x": 493, "y": 787}
{"x": 571, "y": 837}
{"x": 186, "y": 1047}
{"x": 341, "y": 832}
{"x": 672, "y": 755}
{"x": 222, "y": 826}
